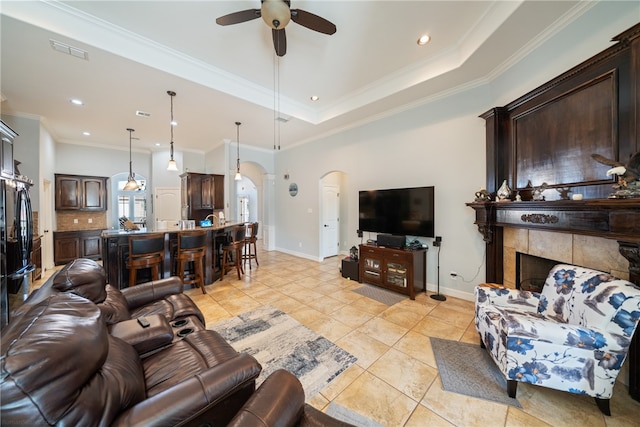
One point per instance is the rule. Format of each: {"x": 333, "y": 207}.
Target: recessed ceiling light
{"x": 85, "y": 133}
{"x": 315, "y": 98}
{"x": 174, "y": 123}
{"x": 424, "y": 39}
{"x": 157, "y": 144}
{"x": 76, "y": 101}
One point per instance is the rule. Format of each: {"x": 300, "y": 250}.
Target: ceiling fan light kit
{"x": 275, "y": 13}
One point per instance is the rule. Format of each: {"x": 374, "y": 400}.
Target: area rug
{"x": 468, "y": 369}
{"x": 341, "y": 413}
{"x": 278, "y": 341}
{"x": 380, "y": 294}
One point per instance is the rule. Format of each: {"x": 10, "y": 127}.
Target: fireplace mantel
{"x": 617, "y": 219}
{"x": 609, "y": 218}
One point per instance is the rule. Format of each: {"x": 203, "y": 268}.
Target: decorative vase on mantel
{"x": 504, "y": 192}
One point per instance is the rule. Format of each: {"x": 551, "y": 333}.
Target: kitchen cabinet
{"x": 400, "y": 270}
{"x": 6, "y": 151}
{"x": 201, "y": 194}
{"x": 70, "y": 245}
{"x": 81, "y": 193}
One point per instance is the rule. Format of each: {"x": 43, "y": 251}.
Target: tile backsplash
{"x": 75, "y": 221}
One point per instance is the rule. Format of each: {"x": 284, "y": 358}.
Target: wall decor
{"x": 293, "y": 189}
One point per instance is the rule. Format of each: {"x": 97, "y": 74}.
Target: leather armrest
{"x": 191, "y": 399}
{"x": 278, "y": 401}
{"x": 313, "y": 417}
{"x": 157, "y": 334}
{"x": 148, "y": 292}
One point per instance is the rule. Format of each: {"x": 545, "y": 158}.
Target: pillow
{"x": 114, "y": 308}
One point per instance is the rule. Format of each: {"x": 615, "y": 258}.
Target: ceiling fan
{"x": 277, "y": 14}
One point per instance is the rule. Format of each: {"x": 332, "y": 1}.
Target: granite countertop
{"x": 149, "y": 230}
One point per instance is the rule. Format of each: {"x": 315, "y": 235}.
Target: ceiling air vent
{"x": 69, "y": 50}
{"x": 142, "y": 114}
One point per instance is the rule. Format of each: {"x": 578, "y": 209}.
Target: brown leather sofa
{"x": 280, "y": 401}
{"x": 87, "y": 278}
{"x": 62, "y": 363}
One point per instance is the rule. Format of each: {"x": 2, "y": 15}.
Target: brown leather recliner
{"x": 87, "y": 278}
{"x": 280, "y": 401}
{"x": 60, "y": 366}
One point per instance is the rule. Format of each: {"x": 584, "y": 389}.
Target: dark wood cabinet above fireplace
{"x": 549, "y": 134}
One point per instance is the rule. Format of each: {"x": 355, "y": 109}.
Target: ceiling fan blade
{"x": 279, "y": 41}
{"x": 238, "y": 17}
{"x": 313, "y": 22}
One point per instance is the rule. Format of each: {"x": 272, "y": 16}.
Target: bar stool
{"x": 145, "y": 252}
{"x": 192, "y": 247}
{"x": 234, "y": 249}
{"x": 250, "y": 240}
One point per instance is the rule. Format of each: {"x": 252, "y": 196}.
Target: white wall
{"x": 440, "y": 144}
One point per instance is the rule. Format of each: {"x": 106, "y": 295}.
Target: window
{"x": 133, "y": 204}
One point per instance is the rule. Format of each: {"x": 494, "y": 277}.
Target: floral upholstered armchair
{"x": 572, "y": 336}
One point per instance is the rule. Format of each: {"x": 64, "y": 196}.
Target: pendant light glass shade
{"x": 173, "y": 166}
{"x": 131, "y": 181}
{"x": 238, "y": 176}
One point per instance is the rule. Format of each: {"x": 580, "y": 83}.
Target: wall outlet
{"x": 90, "y": 220}
{"x": 75, "y": 220}
{"x": 300, "y": 244}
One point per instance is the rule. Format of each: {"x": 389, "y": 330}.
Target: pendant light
{"x": 131, "y": 181}
{"x": 238, "y": 176}
{"x": 173, "y": 166}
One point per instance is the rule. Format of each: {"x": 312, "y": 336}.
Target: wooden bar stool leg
{"x": 181, "y": 270}
{"x": 200, "y": 275}
{"x": 255, "y": 253}
{"x": 223, "y": 269}
{"x": 133, "y": 276}
{"x": 239, "y": 262}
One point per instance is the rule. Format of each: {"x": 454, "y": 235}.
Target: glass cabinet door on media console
{"x": 399, "y": 270}
{"x": 372, "y": 269}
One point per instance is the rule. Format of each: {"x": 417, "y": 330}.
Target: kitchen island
{"x": 115, "y": 251}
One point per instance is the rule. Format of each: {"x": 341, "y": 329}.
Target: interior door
{"x": 330, "y": 218}
{"x": 167, "y": 206}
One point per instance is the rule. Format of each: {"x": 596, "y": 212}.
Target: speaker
{"x": 391, "y": 241}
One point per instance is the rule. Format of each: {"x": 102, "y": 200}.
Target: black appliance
{"x": 16, "y": 238}
{"x": 399, "y": 211}
{"x": 19, "y": 224}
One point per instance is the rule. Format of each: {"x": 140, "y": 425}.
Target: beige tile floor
{"x": 395, "y": 380}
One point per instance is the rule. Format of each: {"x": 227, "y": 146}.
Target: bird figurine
{"x": 628, "y": 183}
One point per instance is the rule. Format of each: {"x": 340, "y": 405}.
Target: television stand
{"x": 399, "y": 270}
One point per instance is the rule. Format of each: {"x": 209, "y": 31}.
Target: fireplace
{"x": 531, "y": 271}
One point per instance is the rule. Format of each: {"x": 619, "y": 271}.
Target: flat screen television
{"x": 400, "y": 211}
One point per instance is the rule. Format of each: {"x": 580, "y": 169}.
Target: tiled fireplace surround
{"x": 587, "y": 251}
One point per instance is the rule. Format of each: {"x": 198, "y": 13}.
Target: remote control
{"x": 143, "y": 322}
